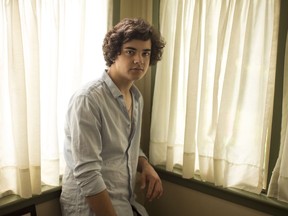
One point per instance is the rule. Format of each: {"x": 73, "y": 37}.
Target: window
{"x": 48, "y": 49}
{"x": 213, "y": 97}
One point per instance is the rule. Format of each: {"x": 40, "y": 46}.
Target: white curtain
{"x": 213, "y": 98}
{"x": 47, "y": 49}
{"x": 278, "y": 187}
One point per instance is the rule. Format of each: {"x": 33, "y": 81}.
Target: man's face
{"x": 133, "y": 61}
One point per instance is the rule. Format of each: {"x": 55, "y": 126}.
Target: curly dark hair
{"x": 127, "y": 30}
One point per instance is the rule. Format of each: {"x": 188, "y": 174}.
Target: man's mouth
{"x": 137, "y": 69}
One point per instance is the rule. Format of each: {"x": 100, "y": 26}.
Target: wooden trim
{"x": 12, "y": 204}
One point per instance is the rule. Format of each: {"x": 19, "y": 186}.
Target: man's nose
{"x": 138, "y": 59}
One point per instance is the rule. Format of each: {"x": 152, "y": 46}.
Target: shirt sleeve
{"x": 86, "y": 145}
{"x": 142, "y": 154}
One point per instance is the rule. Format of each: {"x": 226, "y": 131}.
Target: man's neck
{"x": 122, "y": 84}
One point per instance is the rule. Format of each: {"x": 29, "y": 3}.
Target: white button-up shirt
{"x": 102, "y": 146}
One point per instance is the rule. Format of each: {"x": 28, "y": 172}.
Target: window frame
{"x": 278, "y": 92}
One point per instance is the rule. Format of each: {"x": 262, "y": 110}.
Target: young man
{"x": 103, "y": 128}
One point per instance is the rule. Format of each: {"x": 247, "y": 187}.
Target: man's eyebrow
{"x": 132, "y": 48}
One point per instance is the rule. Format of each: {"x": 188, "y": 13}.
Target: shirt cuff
{"x": 141, "y": 154}
{"x": 93, "y": 186}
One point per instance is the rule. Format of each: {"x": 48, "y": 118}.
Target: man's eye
{"x": 130, "y": 52}
{"x": 146, "y": 54}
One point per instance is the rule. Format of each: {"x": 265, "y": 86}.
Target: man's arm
{"x": 101, "y": 204}
{"x": 149, "y": 179}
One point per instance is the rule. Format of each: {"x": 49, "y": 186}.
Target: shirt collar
{"x": 114, "y": 89}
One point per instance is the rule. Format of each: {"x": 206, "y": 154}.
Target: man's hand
{"x": 149, "y": 180}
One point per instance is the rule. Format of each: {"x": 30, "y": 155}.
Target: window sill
{"x": 258, "y": 202}
{"x": 12, "y": 203}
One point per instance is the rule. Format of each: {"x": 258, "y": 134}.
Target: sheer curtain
{"x": 47, "y": 49}
{"x": 213, "y": 97}
{"x": 278, "y": 187}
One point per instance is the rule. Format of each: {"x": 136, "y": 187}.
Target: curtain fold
{"x": 47, "y": 50}
{"x": 31, "y": 70}
{"x": 216, "y": 123}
